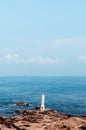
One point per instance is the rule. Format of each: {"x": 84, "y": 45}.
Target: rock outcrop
{"x": 46, "y": 120}
{"x": 24, "y": 104}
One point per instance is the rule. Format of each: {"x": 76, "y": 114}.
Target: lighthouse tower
{"x": 42, "y": 102}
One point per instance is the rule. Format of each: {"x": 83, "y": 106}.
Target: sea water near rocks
{"x": 64, "y": 94}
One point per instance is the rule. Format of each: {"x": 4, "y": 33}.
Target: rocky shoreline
{"x": 46, "y": 120}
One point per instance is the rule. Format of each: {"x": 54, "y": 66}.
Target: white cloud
{"x": 69, "y": 43}
{"x": 15, "y": 58}
{"x": 9, "y": 58}
{"x": 82, "y": 58}
{"x": 45, "y": 60}
{"x": 78, "y": 40}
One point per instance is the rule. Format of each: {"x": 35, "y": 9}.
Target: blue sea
{"x": 64, "y": 94}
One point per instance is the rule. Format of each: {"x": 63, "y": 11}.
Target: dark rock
{"x": 22, "y": 104}
{"x": 10, "y": 112}
{"x": 62, "y": 126}
{"x": 37, "y": 108}
{"x": 25, "y": 113}
{"x": 68, "y": 128}
{"x": 68, "y": 115}
{"x": 2, "y": 119}
{"x": 27, "y": 125}
{"x": 6, "y": 121}
{"x": 83, "y": 127}
{"x": 17, "y": 128}
{"x": 19, "y": 111}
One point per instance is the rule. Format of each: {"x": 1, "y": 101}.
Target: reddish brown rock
{"x": 46, "y": 120}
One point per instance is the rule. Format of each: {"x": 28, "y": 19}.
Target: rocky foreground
{"x": 46, "y": 120}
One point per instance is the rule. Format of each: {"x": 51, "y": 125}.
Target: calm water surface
{"x": 64, "y": 94}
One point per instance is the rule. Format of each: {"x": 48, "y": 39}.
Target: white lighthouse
{"x": 42, "y": 102}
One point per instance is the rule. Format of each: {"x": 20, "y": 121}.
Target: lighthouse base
{"x": 42, "y": 108}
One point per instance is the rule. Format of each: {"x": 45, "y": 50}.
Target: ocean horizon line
{"x": 41, "y": 76}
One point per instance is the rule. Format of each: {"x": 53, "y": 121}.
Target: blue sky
{"x": 43, "y": 38}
